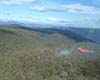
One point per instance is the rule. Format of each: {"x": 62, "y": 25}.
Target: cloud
{"x": 52, "y": 19}
{"x": 72, "y": 8}
{"x": 78, "y": 8}
{"x": 39, "y": 8}
{"x": 86, "y": 22}
{"x": 30, "y": 19}
{"x": 48, "y": 8}
{"x": 18, "y": 2}
{"x": 93, "y": 23}
{"x": 48, "y": 19}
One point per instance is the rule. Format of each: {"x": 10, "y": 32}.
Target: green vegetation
{"x": 20, "y": 59}
{"x": 15, "y": 39}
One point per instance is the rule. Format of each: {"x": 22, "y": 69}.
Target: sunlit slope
{"x": 16, "y": 39}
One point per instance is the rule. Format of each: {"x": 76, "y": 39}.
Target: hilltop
{"x": 18, "y": 38}
{"x": 31, "y": 54}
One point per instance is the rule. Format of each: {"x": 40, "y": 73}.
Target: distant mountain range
{"x": 90, "y": 33}
{"x": 79, "y": 34}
